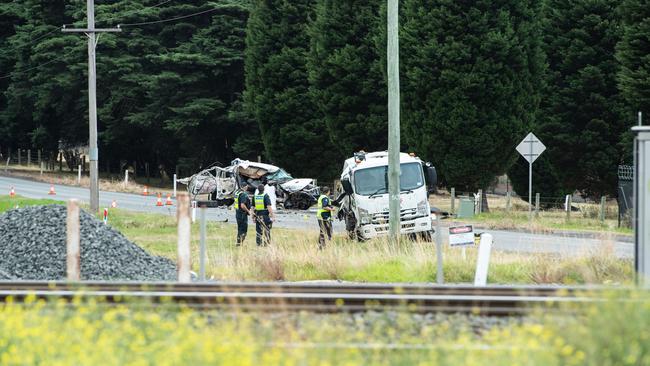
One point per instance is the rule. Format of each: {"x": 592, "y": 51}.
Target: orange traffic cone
{"x": 12, "y": 192}
{"x": 169, "y": 202}
{"x": 146, "y": 191}
{"x": 51, "y": 192}
{"x": 159, "y": 200}
{"x": 113, "y": 204}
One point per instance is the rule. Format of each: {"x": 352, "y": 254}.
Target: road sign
{"x": 531, "y": 148}
{"x": 461, "y": 235}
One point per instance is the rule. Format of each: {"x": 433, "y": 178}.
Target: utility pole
{"x": 393, "y": 121}
{"x": 92, "y": 100}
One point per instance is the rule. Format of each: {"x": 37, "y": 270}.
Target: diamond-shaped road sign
{"x": 531, "y": 148}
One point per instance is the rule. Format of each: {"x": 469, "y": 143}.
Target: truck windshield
{"x": 375, "y": 180}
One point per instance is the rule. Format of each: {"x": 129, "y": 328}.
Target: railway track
{"x": 319, "y": 297}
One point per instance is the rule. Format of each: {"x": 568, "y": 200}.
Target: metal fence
{"x": 568, "y": 207}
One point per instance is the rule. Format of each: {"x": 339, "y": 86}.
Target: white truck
{"x": 364, "y": 200}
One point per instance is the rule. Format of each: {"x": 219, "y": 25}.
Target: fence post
{"x": 29, "y": 157}
{"x": 126, "y": 178}
{"x": 440, "y": 276}
{"x": 603, "y": 200}
{"x": 453, "y": 200}
{"x": 480, "y": 201}
{"x": 184, "y": 230}
{"x": 536, "y": 204}
{"x": 72, "y": 256}
{"x": 568, "y": 207}
{"x": 202, "y": 245}
{"x": 79, "y": 175}
{"x": 174, "y": 185}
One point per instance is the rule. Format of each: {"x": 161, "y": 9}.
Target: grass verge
{"x": 294, "y": 256}
{"x": 586, "y": 219}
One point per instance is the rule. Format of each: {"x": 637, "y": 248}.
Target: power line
{"x": 41, "y": 37}
{"x": 34, "y": 40}
{"x": 37, "y": 66}
{"x": 168, "y": 20}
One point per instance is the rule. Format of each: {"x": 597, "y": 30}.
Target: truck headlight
{"x": 422, "y": 208}
{"x": 364, "y": 216}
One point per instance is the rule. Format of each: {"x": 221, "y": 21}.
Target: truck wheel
{"x": 425, "y": 236}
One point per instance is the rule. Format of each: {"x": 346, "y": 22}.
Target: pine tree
{"x": 346, "y": 76}
{"x": 277, "y": 88}
{"x": 633, "y": 53}
{"x": 580, "y": 121}
{"x": 471, "y": 84}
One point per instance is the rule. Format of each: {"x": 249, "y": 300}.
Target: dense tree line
{"x": 303, "y": 84}
{"x": 169, "y": 93}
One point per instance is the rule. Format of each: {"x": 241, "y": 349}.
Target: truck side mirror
{"x": 431, "y": 177}
{"x": 347, "y": 186}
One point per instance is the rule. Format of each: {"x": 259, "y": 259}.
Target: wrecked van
{"x": 220, "y": 183}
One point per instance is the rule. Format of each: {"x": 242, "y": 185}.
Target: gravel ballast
{"x": 33, "y": 247}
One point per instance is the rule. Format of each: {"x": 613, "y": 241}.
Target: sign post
{"x": 642, "y": 204}
{"x": 530, "y": 148}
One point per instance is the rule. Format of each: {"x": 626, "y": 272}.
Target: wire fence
{"x": 39, "y": 160}
{"x": 567, "y": 207}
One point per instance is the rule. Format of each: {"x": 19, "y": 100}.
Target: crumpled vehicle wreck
{"x": 220, "y": 184}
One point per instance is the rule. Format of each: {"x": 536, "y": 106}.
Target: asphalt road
{"x": 566, "y": 244}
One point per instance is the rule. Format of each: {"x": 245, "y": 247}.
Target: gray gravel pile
{"x": 33, "y": 247}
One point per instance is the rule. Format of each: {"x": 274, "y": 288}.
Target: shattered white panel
{"x": 296, "y": 184}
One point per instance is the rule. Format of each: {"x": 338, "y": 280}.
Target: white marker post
{"x": 184, "y": 231}
{"x": 79, "y": 175}
{"x": 174, "y": 185}
{"x": 483, "y": 262}
{"x": 126, "y": 178}
{"x": 73, "y": 252}
{"x": 530, "y": 148}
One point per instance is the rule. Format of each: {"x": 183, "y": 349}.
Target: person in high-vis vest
{"x": 242, "y": 211}
{"x": 324, "y": 215}
{"x": 264, "y": 216}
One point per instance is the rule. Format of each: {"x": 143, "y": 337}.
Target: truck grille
{"x": 405, "y": 215}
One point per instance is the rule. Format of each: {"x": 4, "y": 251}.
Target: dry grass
{"x": 587, "y": 218}
{"x": 294, "y": 256}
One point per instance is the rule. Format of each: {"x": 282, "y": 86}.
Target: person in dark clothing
{"x": 242, "y": 211}
{"x": 324, "y": 215}
{"x": 264, "y": 216}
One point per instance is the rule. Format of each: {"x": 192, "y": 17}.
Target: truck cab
{"x": 364, "y": 201}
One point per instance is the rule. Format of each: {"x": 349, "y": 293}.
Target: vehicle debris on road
{"x": 220, "y": 184}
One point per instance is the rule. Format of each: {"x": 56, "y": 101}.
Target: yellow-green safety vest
{"x": 259, "y": 202}
{"x": 237, "y": 193}
{"x": 321, "y": 210}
